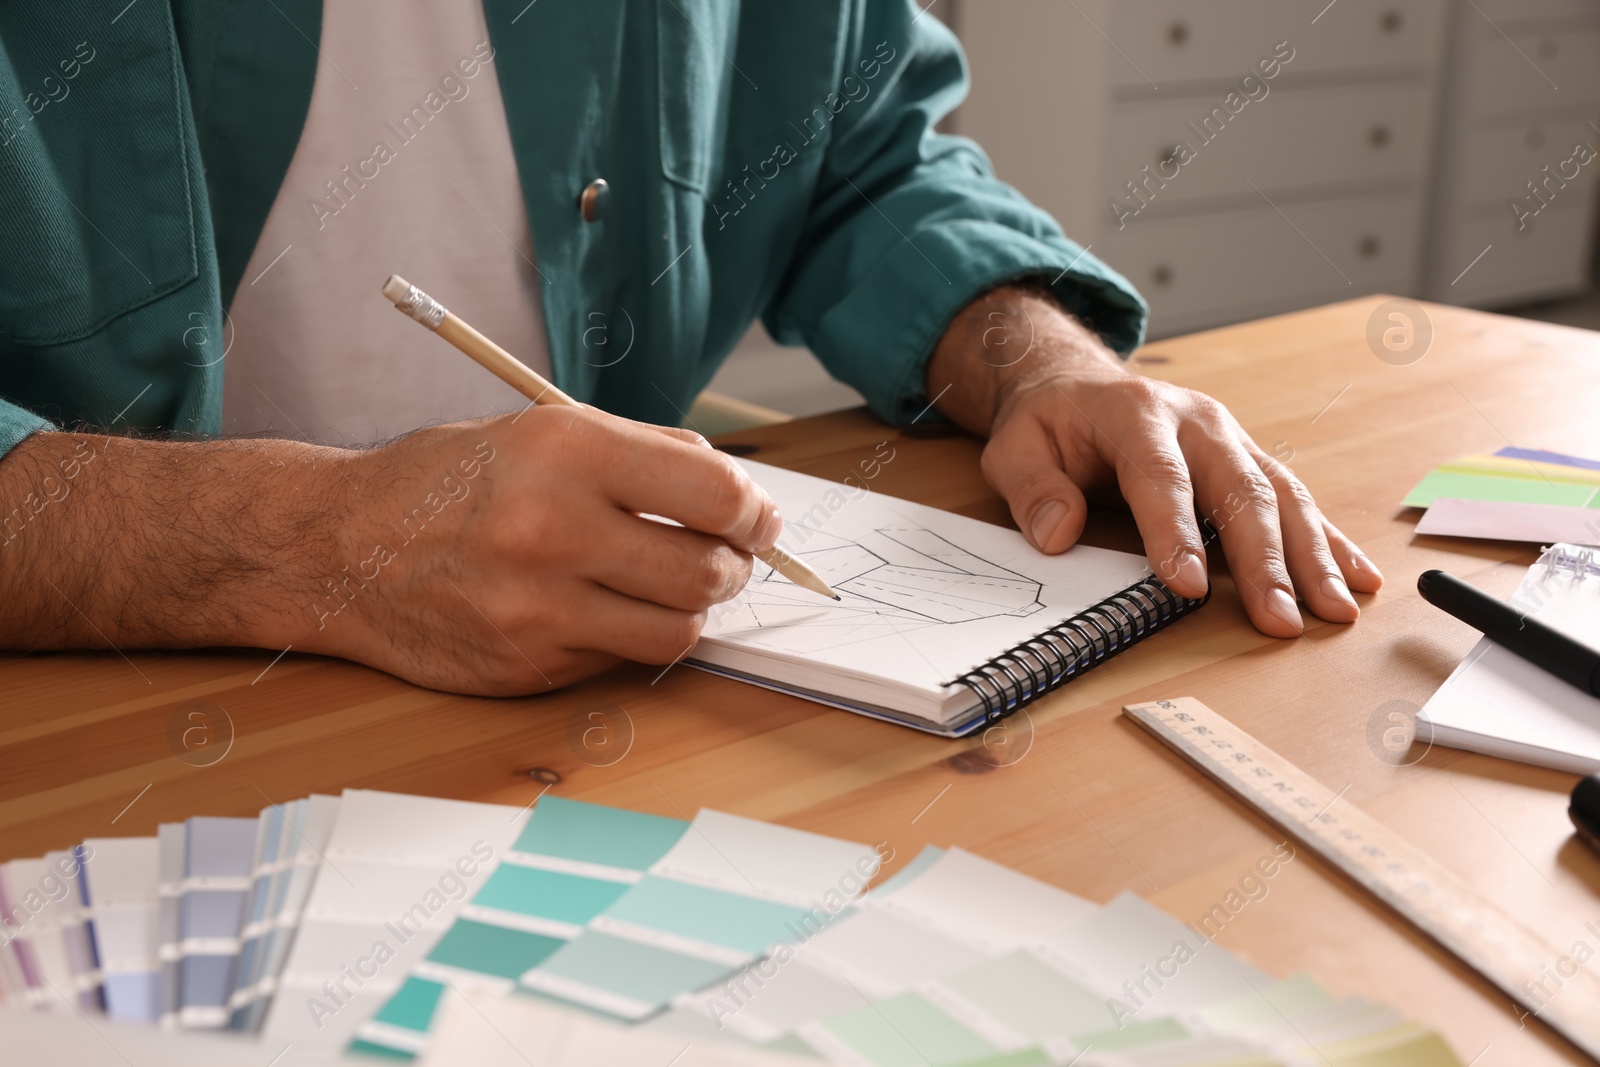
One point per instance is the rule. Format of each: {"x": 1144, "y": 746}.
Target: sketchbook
{"x": 944, "y": 624}
{"x": 1497, "y": 703}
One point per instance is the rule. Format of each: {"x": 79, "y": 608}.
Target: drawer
{"x": 1555, "y": 69}
{"x": 1548, "y": 258}
{"x": 1222, "y": 40}
{"x": 1290, "y": 138}
{"x": 1513, "y": 11}
{"x": 1494, "y": 165}
{"x": 1222, "y": 266}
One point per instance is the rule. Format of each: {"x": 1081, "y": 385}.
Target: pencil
{"x": 509, "y": 369}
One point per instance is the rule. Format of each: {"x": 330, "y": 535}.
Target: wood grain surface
{"x": 106, "y": 743}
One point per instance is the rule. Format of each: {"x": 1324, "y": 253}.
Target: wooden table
{"x": 1072, "y": 793}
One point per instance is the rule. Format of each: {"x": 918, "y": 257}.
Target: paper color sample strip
{"x": 307, "y": 825}
{"x": 40, "y": 905}
{"x": 396, "y": 871}
{"x": 837, "y": 962}
{"x": 123, "y": 877}
{"x": 170, "y": 844}
{"x": 730, "y": 889}
{"x": 571, "y": 862}
{"x": 218, "y": 854}
{"x": 480, "y": 1028}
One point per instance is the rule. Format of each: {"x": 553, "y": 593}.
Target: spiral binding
{"x": 1049, "y": 660}
{"x": 1579, "y": 562}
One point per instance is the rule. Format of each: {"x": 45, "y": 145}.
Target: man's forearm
{"x": 150, "y": 544}
{"x": 1009, "y": 336}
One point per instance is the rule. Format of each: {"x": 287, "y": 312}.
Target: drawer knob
{"x": 1369, "y": 247}
{"x": 1392, "y": 21}
{"x": 1178, "y": 34}
{"x": 1162, "y": 275}
{"x": 1378, "y": 136}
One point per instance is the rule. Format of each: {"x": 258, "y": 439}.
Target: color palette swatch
{"x": 570, "y": 863}
{"x": 123, "y": 882}
{"x": 727, "y": 891}
{"x": 1515, "y": 494}
{"x": 395, "y": 873}
{"x": 218, "y": 860}
{"x": 447, "y": 932}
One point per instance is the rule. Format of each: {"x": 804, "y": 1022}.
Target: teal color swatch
{"x": 908, "y": 1031}
{"x": 593, "y": 833}
{"x": 641, "y": 972}
{"x": 545, "y": 894}
{"x": 708, "y": 915}
{"x": 363, "y": 1047}
{"x": 412, "y": 1005}
{"x": 496, "y": 950}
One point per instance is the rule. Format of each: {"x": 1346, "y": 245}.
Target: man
{"x": 611, "y": 188}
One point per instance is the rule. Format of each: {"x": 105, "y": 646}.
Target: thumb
{"x": 1047, "y": 505}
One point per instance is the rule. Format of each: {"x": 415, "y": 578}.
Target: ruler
{"x": 1547, "y": 981}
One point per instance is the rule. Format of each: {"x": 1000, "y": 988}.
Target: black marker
{"x": 1571, "y": 661}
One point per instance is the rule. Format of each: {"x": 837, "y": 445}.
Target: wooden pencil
{"x": 525, "y": 380}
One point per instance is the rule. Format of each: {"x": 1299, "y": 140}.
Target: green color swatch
{"x": 1457, "y": 486}
{"x": 908, "y": 1031}
{"x": 1031, "y": 997}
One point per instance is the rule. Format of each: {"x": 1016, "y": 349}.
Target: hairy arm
{"x": 153, "y": 544}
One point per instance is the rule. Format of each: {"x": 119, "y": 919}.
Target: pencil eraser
{"x": 396, "y": 288}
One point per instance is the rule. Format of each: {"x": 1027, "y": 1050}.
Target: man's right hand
{"x": 541, "y": 568}
{"x": 503, "y": 556}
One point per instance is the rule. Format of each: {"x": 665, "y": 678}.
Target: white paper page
{"x": 1498, "y": 703}
{"x": 983, "y": 903}
{"x": 927, "y": 594}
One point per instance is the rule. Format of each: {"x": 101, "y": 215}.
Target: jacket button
{"x": 593, "y": 201}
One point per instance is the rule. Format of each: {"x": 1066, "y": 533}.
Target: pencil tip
{"x": 836, "y": 596}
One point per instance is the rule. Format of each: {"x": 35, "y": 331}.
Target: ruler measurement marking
{"x": 1425, "y": 892}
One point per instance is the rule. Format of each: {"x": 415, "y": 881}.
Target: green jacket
{"x": 766, "y": 158}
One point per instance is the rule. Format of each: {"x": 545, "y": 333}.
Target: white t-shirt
{"x": 404, "y": 167}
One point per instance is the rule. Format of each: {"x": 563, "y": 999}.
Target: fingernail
{"x": 1046, "y": 521}
{"x": 1362, "y": 563}
{"x": 1335, "y": 589}
{"x": 1282, "y": 605}
{"x": 1192, "y": 570}
{"x": 766, "y": 534}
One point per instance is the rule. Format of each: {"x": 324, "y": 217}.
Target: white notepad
{"x": 1499, "y": 704}
{"x": 945, "y": 621}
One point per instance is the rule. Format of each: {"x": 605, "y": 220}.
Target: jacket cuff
{"x": 17, "y": 423}
{"x": 880, "y": 337}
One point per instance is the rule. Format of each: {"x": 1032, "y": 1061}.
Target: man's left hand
{"x": 1067, "y": 419}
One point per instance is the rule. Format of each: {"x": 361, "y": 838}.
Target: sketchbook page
{"x": 1498, "y": 703}
{"x": 926, "y": 594}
